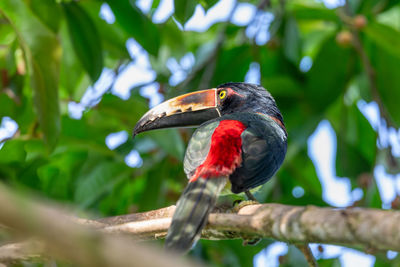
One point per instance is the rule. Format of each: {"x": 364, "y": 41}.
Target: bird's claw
{"x": 239, "y": 204}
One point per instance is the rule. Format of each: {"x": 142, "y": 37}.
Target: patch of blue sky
{"x": 8, "y": 128}
{"x": 136, "y": 73}
{"x": 114, "y": 140}
{"x": 202, "y": 21}
{"x": 244, "y": 14}
{"x": 92, "y": 95}
{"x": 269, "y": 256}
{"x": 258, "y": 29}
{"x": 386, "y": 184}
{"x": 144, "y": 5}
{"x": 322, "y": 151}
{"x": 347, "y": 257}
{"x": 253, "y": 75}
{"x": 352, "y": 257}
{"x": 133, "y": 159}
{"x": 106, "y": 13}
{"x": 179, "y": 70}
{"x": 305, "y": 64}
{"x": 151, "y": 92}
{"x": 331, "y": 4}
{"x": 298, "y": 191}
{"x": 390, "y": 254}
{"x": 164, "y": 10}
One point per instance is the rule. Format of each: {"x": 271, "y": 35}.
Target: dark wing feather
{"x": 263, "y": 150}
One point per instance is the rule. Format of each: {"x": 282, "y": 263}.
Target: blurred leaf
{"x": 372, "y": 7}
{"x": 8, "y": 106}
{"x": 294, "y": 257}
{"x": 228, "y": 252}
{"x": 135, "y": 23}
{"x": 389, "y": 161}
{"x": 386, "y": 63}
{"x": 118, "y": 110}
{"x": 170, "y": 141}
{"x": 12, "y": 151}
{"x": 98, "y": 176}
{"x": 303, "y": 12}
{"x": 206, "y": 4}
{"x": 328, "y": 77}
{"x": 232, "y": 65}
{"x": 184, "y": 9}
{"x": 85, "y": 39}
{"x": 356, "y": 141}
{"x": 113, "y": 38}
{"x": 71, "y": 68}
{"x": 291, "y": 42}
{"x": 384, "y": 36}
{"x": 48, "y": 11}
{"x": 42, "y": 51}
{"x": 390, "y": 18}
{"x": 58, "y": 176}
{"x": 299, "y": 170}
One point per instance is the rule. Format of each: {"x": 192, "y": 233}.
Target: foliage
{"x": 51, "y": 52}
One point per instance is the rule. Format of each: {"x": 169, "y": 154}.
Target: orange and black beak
{"x": 187, "y": 110}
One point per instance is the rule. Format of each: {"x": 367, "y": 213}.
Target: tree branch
{"x": 75, "y": 239}
{"x": 67, "y": 238}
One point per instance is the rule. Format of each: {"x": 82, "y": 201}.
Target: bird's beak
{"x": 187, "y": 110}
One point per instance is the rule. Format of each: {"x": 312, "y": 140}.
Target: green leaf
{"x": 385, "y": 37}
{"x": 232, "y": 65}
{"x": 328, "y": 77}
{"x": 127, "y": 111}
{"x": 170, "y": 141}
{"x": 206, "y": 4}
{"x": 97, "y": 177}
{"x": 373, "y": 7}
{"x": 42, "y": 51}
{"x": 72, "y": 71}
{"x": 184, "y": 9}
{"x": 356, "y": 140}
{"x": 113, "y": 38}
{"x": 291, "y": 41}
{"x": 135, "y": 23}
{"x": 387, "y": 72}
{"x": 85, "y": 39}
{"x": 12, "y": 151}
{"x": 48, "y": 11}
{"x": 303, "y": 12}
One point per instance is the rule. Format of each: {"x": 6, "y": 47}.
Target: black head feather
{"x": 255, "y": 99}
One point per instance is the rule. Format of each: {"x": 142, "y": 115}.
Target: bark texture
{"x": 94, "y": 243}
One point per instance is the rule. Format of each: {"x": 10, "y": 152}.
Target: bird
{"x": 240, "y": 138}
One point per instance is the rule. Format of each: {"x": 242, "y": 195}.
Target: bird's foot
{"x": 239, "y": 204}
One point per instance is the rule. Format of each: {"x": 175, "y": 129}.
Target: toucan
{"x": 241, "y": 138}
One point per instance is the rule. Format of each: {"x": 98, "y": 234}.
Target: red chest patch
{"x": 225, "y": 153}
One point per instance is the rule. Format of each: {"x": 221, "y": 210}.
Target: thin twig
{"x": 305, "y": 249}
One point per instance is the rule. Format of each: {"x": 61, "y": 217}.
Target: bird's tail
{"x": 192, "y": 210}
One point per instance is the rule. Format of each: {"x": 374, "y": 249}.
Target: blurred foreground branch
{"x": 63, "y": 237}
{"x": 70, "y": 238}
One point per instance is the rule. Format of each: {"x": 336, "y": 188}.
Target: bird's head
{"x": 192, "y": 109}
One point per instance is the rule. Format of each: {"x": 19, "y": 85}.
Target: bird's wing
{"x": 198, "y": 148}
{"x": 263, "y": 149}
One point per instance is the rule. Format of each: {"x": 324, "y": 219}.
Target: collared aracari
{"x": 241, "y": 138}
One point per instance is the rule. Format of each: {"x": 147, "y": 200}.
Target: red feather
{"x": 225, "y": 153}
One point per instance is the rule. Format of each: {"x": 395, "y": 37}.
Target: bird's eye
{"x": 222, "y": 94}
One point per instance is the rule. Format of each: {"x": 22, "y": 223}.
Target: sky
{"x": 336, "y": 190}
